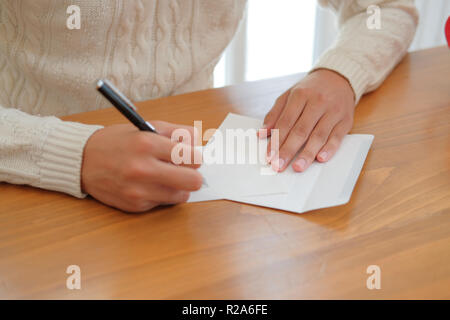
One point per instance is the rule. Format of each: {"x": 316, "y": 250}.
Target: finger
{"x": 127, "y": 205}
{"x": 167, "y": 129}
{"x": 164, "y": 195}
{"x": 164, "y": 149}
{"x": 133, "y": 207}
{"x": 154, "y": 184}
{"x": 273, "y": 115}
{"x": 334, "y": 141}
{"x": 310, "y": 127}
{"x": 291, "y": 112}
{"x": 294, "y": 107}
{"x": 186, "y": 155}
{"x": 175, "y": 177}
{"x": 317, "y": 140}
{"x": 149, "y": 195}
{"x": 298, "y": 135}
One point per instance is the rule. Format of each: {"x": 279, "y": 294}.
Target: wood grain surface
{"x": 398, "y": 217}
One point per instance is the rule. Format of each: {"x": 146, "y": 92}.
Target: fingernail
{"x": 185, "y": 196}
{"x": 323, "y": 155}
{"x": 270, "y": 156}
{"x": 262, "y": 133}
{"x": 300, "y": 164}
{"x": 278, "y": 164}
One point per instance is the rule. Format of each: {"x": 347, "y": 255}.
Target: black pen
{"x": 124, "y": 105}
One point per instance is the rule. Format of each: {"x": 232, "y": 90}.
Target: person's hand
{"x": 314, "y": 114}
{"x": 132, "y": 170}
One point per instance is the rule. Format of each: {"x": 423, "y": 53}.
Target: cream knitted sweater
{"x": 151, "y": 49}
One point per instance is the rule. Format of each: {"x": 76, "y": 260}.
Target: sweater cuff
{"x": 62, "y": 157}
{"x": 347, "y": 67}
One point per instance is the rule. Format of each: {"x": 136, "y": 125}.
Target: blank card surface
{"x": 234, "y": 161}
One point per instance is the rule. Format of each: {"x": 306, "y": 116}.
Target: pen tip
{"x": 99, "y": 84}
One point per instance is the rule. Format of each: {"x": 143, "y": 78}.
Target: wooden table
{"x": 398, "y": 217}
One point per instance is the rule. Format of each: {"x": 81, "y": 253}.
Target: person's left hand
{"x": 315, "y": 114}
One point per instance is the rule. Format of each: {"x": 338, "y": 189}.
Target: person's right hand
{"x": 132, "y": 170}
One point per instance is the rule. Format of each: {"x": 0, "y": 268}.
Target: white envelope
{"x": 321, "y": 185}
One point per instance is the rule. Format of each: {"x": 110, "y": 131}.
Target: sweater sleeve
{"x": 43, "y": 152}
{"x": 365, "y": 56}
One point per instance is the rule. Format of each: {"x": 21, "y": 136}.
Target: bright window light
{"x": 280, "y": 37}
{"x": 279, "y": 40}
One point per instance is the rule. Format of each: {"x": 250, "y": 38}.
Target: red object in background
{"x": 447, "y": 31}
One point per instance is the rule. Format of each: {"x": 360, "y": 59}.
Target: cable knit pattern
{"x": 149, "y": 49}
{"x": 366, "y": 56}
{"x": 44, "y": 152}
